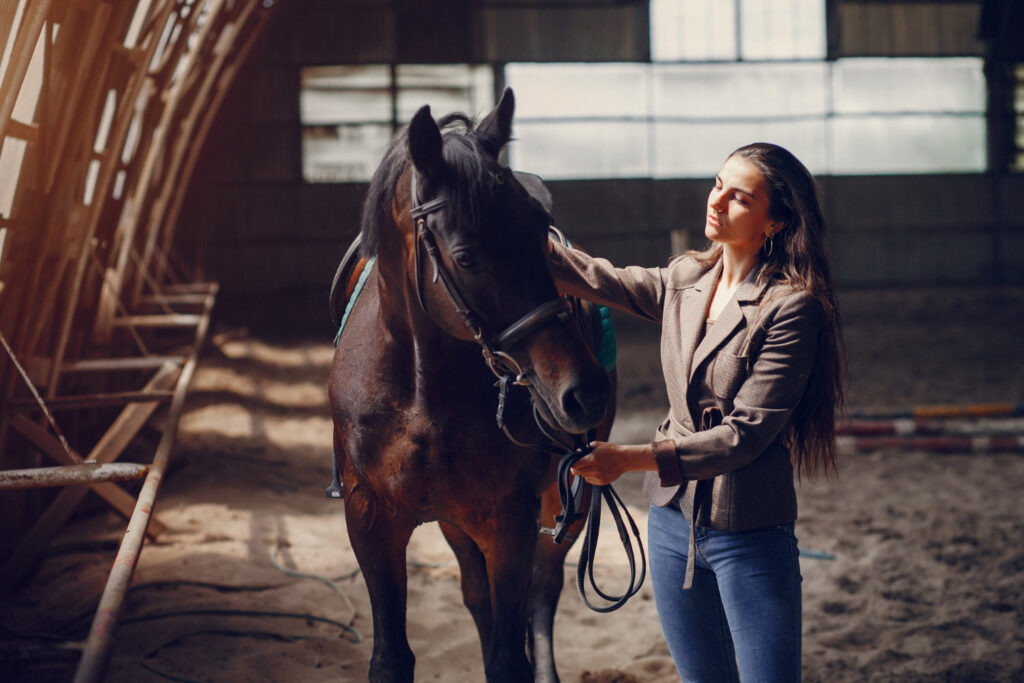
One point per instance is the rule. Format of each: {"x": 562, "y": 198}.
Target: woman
{"x": 751, "y": 353}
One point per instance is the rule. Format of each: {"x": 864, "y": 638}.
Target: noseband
{"x": 494, "y": 348}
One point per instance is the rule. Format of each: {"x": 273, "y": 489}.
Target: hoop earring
{"x": 768, "y": 246}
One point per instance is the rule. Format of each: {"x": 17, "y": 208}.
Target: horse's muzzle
{"x": 584, "y": 401}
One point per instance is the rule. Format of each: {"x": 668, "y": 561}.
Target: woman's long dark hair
{"x": 797, "y": 260}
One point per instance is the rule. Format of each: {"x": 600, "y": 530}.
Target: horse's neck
{"x": 431, "y": 349}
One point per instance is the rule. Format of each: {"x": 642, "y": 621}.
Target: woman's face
{"x": 738, "y": 205}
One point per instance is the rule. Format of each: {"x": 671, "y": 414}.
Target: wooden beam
{"x": 133, "y": 93}
{"x": 195, "y": 287}
{"x": 158, "y": 320}
{"x": 29, "y": 132}
{"x": 70, "y": 475}
{"x": 131, "y": 363}
{"x": 67, "y": 142}
{"x": 93, "y": 664}
{"x": 114, "y": 398}
{"x": 8, "y": 8}
{"x": 193, "y": 299}
{"x": 64, "y": 504}
{"x": 86, "y": 48}
{"x": 219, "y": 82}
{"x": 146, "y": 189}
{"x": 110, "y": 446}
{"x": 21, "y": 55}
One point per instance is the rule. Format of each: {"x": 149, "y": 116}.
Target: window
{"x": 581, "y": 120}
{"x": 731, "y": 30}
{"x": 350, "y": 113}
{"x": 724, "y": 73}
{"x": 854, "y": 116}
{"x": 908, "y": 116}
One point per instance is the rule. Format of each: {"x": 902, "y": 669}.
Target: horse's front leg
{"x": 546, "y": 587}
{"x": 476, "y": 590}
{"x": 508, "y": 551}
{"x": 549, "y": 567}
{"x": 379, "y": 541}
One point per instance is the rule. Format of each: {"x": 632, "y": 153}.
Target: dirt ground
{"x": 913, "y": 561}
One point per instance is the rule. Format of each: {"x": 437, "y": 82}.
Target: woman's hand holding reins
{"x": 608, "y": 461}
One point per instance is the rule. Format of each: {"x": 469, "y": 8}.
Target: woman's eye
{"x": 464, "y": 259}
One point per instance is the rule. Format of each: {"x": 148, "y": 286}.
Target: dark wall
{"x": 273, "y": 241}
{"x": 883, "y": 230}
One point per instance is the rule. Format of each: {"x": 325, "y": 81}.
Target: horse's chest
{"x": 428, "y": 469}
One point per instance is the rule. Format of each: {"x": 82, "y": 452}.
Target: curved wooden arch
{"x": 104, "y": 108}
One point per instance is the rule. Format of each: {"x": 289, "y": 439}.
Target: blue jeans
{"x": 744, "y": 608}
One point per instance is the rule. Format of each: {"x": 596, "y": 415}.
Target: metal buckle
{"x": 504, "y": 365}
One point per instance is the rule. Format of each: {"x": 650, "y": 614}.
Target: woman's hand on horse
{"x": 608, "y": 461}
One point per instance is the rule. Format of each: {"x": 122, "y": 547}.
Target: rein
{"x": 571, "y": 489}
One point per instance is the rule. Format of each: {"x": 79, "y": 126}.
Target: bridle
{"x": 495, "y": 348}
{"x": 508, "y": 371}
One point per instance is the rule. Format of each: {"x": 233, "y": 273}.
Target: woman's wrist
{"x": 641, "y": 457}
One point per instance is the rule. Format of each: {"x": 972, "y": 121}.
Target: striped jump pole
{"x": 940, "y": 411}
{"x": 940, "y": 444}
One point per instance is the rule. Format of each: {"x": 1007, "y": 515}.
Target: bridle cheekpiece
{"x": 494, "y": 348}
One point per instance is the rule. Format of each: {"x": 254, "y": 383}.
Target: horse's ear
{"x": 496, "y": 128}
{"x": 425, "y": 143}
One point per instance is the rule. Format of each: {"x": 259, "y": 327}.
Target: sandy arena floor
{"x": 913, "y": 566}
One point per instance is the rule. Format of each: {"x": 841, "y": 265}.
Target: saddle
{"x": 346, "y": 279}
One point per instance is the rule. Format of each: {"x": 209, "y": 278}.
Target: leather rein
{"x": 571, "y": 489}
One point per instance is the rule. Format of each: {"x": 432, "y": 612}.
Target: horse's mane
{"x": 467, "y": 187}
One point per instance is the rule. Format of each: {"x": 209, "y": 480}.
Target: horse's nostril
{"x": 585, "y": 402}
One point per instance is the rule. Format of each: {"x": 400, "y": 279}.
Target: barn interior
{"x": 180, "y": 178}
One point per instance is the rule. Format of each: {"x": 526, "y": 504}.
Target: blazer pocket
{"x": 728, "y": 373}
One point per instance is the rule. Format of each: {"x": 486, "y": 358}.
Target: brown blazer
{"x": 754, "y": 361}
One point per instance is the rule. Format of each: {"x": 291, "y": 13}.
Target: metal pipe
{"x": 70, "y": 475}
{"x": 93, "y": 665}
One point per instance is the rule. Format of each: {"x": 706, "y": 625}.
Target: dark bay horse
{"x": 460, "y": 292}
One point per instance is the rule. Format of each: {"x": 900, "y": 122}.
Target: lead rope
{"x": 571, "y": 492}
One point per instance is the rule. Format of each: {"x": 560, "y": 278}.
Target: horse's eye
{"x": 464, "y": 259}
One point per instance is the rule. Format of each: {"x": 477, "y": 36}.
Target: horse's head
{"x": 477, "y": 249}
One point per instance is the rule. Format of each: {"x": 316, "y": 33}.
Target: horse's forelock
{"x": 469, "y": 188}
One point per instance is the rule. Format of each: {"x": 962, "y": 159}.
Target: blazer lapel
{"x": 748, "y": 292}
{"x": 693, "y": 313}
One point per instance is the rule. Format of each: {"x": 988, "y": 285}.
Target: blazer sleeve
{"x": 765, "y": 401}
{"x": 636, "y": 290}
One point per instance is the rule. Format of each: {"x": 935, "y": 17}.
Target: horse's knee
{"x": 548, "y": 574}
{"x": 476, "y": 598}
